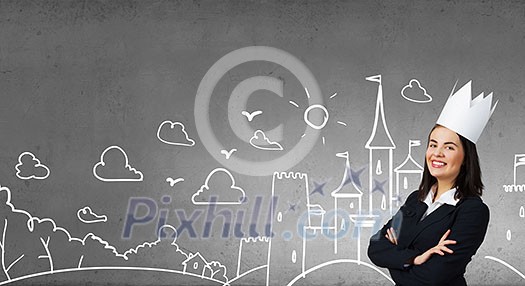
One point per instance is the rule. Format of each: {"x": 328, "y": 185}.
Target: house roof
{"x": 195, "y": 256}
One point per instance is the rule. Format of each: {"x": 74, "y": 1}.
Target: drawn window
{"x": 379, "y": 171}
{"x": 195, "y": 265}
{"x": 405, "y": 183}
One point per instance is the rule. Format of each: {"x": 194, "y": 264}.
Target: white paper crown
{"x": 464, "y": 115}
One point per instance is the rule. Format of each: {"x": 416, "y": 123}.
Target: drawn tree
{"x": 19, "y": 246}
{"x": 59, "y": 249}
{"x": 163, "y": 253}
{"x": 98, "y": 252}
{"x": 218, "y": 271}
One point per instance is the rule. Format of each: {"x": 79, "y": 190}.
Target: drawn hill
{"x": 34, "y": 247}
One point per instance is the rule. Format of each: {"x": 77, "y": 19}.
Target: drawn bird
{"x": 250, "y": 116}
{"x": 228, "y": 154}
{"x": 172, "y": 182}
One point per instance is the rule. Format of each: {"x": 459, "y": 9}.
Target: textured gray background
{"x": 79, "y": 76}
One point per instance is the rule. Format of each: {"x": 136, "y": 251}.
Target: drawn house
{"x": 347, "y": 198}
{"x": 380, "y": 146}
{"x": 408, "y": 175}
{"x": 285, "y": 249}
{"x": 196, "y": 264}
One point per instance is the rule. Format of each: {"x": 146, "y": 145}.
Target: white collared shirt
{"x": 445, "y": 198}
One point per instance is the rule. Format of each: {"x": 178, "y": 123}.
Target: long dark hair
{"x": 468, "y": 182}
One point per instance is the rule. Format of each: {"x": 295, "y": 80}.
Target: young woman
{"x": 440, "y": 227}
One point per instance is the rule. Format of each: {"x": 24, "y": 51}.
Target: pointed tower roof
{"x": 380, "y": 137}
{"x": 410, "y": 165}
{"x": 347, "y": 188}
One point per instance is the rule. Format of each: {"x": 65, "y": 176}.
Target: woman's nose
{"x": 438, "y": 151}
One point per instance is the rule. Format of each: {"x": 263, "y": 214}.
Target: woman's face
{"x": 444, "y": 154}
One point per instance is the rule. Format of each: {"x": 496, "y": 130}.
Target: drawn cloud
{"x": 219, "y": 193}
{"x": 260, "y": 141}
{"x": 114, "y": 167}
{"x": 414, "y": 92}
{"x": 29, "y": 167}
{"x": 86, "y": 215}
{"x": 174, "y": 133}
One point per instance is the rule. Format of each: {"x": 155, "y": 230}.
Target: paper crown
{"x": 464, "y": 115}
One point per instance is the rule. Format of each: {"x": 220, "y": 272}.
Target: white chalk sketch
{"x": 380, "y": 146}
{"x": 342, "y": 123}
{"x": 228, "y": 154}
{"x": 206, "y": 190}
{"x": 216, "y": 272}
{"x": 517, "y": 184}
{"x": 173, "y": 182}
{"x": 522, "y": 212}
{"x": 116, "y": 170}
{"x": 339, "y": 261}
{"x": 333, "y": 95}
{"x": 294, "y": 103}
{"x": 414, "y": 92}
{"x": 251, "y": 115}
{"x": 509, "y": 235}
{"x": 287, "y": 186}
{"x": 348, "y": 193}
{"x": 408, "y": 174}
{"x": 257, "y": 243}
{"x": 30, "y": 167}
{"x": 506, "y": 265}
{"x": 86, "y": 215}
{"x": 261, "y": 142}
{"x": 174, "y": 133}
{"x": 325, "y": 116}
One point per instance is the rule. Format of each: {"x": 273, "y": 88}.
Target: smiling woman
{"x": 443, "y": 223}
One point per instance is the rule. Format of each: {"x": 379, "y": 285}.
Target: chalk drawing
{"x": 217, "y": 270}
{"x": 170, "y": 132}
{"x": 259, "y": 240}
{"x": 380, "y": 146}
{"x": 414, "y": 92}
{"x": 408, "y": 171}
{"x": 325, "y": 116}
{"x": 173, "y": 182}
{"x": 517, "y": 185}
{"x": 116, "y": 172}
{"x": 206, "y": 190}
{"x": 507, "y": 265}
{"x": 261, "y": 142}
{"x": 228, "y": 154}
{"x": 86, "y": 215}
{"x": 30, "y": 167}
{"x": 294, "y": 103}
{"x": 251, "y": 115}
{"x": 338, "y": 261}
{"x": 347, "y": 191}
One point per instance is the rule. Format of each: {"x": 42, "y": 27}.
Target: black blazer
{"x": 468, "y": 222}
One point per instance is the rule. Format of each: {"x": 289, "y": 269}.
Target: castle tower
{"x": 380, "y": 146}
{"x": 408, "y": 175}
{"x": 347, "y": 198}
{"x": 285, "y": 251}
{"x": 253, "y": 253}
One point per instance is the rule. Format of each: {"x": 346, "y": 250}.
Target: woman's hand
{"x": 440, "y": 249}
{"x": 391, "y": 235}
